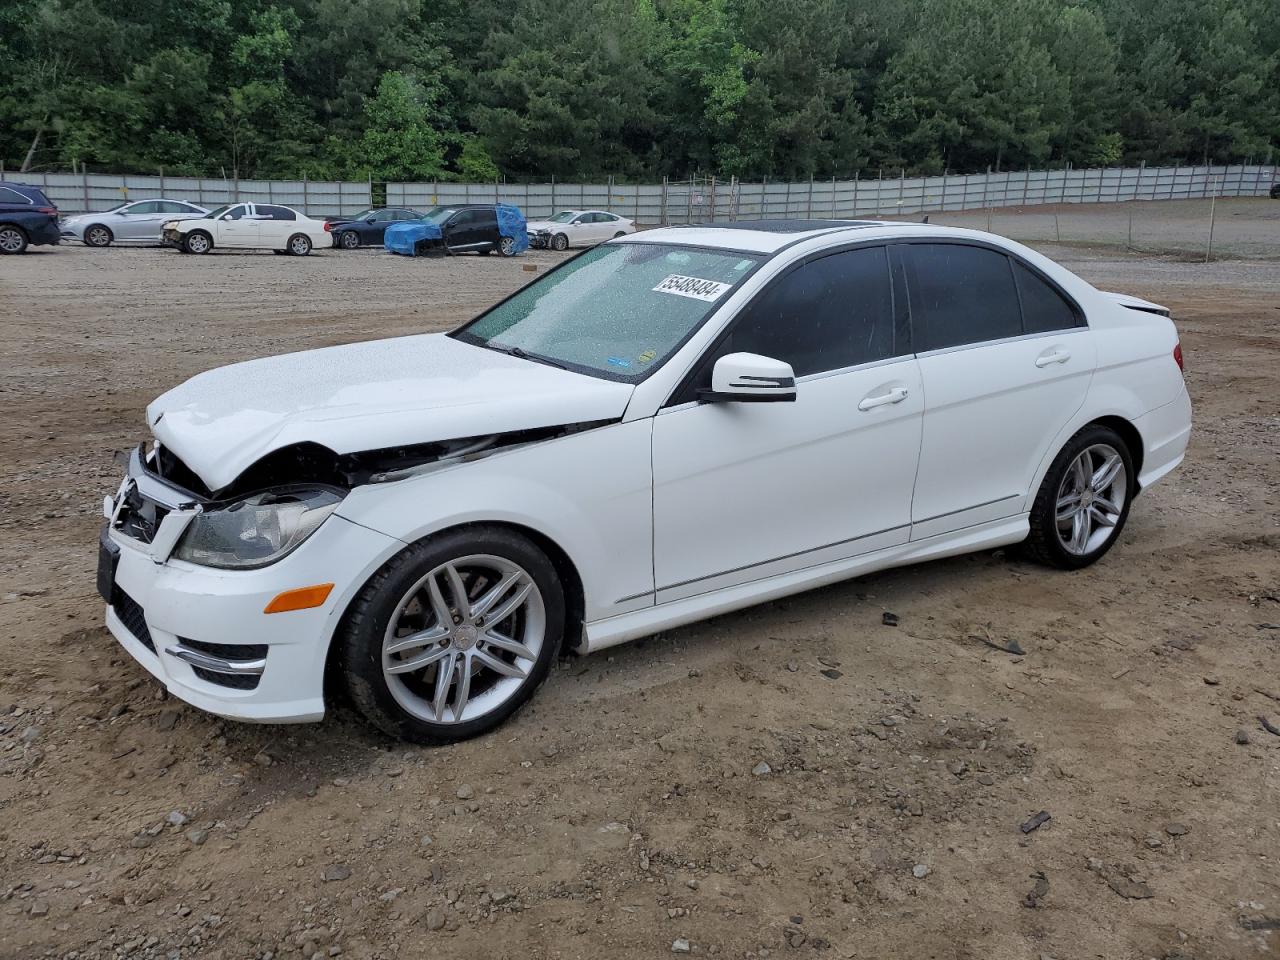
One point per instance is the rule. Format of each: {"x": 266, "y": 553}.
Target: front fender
{"x": 590, "y": 493}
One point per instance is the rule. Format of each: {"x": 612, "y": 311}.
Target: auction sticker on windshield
{"x": 693, "y": 287}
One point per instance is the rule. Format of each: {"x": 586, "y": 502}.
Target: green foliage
{"x": 586, "y": 89}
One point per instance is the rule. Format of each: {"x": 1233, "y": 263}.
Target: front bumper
{"x": 171, "y": 237}
{"x": 202, "y": 632}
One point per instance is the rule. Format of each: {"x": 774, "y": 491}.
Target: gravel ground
{"x": 795, "y": 779}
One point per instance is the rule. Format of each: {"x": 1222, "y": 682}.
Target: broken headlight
{"x": 257, "y": 530}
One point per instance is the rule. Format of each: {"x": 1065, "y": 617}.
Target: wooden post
{"x": 162, "y": 181}
{"x": 663, "y": 215}
{"x": 856, "y": 175}
{"x": 553, "y": 195}
{"x": 306, "y": 195}
{"x": 712, "y": 214}
{"x": 809, "y": 207}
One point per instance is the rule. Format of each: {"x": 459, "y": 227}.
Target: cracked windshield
{"x": 619, "y": 310}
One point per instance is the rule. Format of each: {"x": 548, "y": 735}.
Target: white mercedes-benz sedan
{"x": 664, "y": 428}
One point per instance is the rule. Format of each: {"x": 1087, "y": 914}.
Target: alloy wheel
{"x": 559, "y": 242}
{"x": 350, "y": 240}
{"x": 97, "y": 236}
{"x": 1091, "y": 499}
{"x": 11, "y": 240}
{"x": 197, "y": 243}
{"x": 299, "y": 246}
{"x": 507, "y": 246}
{"x": 463, "y": 639}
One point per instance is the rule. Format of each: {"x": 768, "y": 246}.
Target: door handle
{"x": 1056, "y": 356}
{"x": 896, "y": 395}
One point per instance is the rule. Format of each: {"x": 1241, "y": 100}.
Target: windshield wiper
{"x": 521, "y": 353}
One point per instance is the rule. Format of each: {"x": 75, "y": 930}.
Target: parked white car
{"x": 578, "y": 228}
{"x": 241, "y": 226}
{"x": 667, "y": 427}
{"x": 139, "y": 221}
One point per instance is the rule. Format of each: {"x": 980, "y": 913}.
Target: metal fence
{"x": 692, "y": 201}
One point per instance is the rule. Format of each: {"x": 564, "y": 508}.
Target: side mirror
{"x": 369, "y": 219}
{"x": 226, "y": 216}
{"x": 750, "y": 378}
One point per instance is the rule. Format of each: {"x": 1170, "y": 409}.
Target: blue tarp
{"x": 403, "y": 237}
{"x": 511, "y": 223}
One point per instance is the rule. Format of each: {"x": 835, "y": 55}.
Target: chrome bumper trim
{"x": 235, "y": 668}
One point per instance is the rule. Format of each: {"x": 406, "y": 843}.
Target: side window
{"x": 829, "y": 313}
{"x": 383, "y": 216}
{"x": 1043, "y": 308}
{"x": 169, "y": 206}
{"x": 268, "y": 212}
{"x": 12, "y": 196}
{"x": 147, "y": 206}
{"x": 236, "y": 213}
{"x": 961, "y": 294}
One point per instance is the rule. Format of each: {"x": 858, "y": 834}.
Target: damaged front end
{"x": 164, "y": 509}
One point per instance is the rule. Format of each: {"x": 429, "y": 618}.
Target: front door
{"x": 1006, "y": 362}
{"x": 744, "y": 491}
{"x": 237, "y": 228}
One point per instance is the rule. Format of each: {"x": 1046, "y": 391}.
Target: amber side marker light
{"x": 303, "y": 598}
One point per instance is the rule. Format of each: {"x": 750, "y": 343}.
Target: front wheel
{"x": 197, "y": 241}
{"x": 559, "y": 242}
{"x": 98, "y": 236}
{"x": 299, "y": 245}
{"x": 1084, "y": 500}
{"x": 13, "y": 239}
{"x": 453, "y": 635}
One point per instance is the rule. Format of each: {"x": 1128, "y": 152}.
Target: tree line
{"x": 635, "y": 89}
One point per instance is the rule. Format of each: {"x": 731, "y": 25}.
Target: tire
{"x": 197, "y": 241}
{"x": 1068, "y": 530}
{"x": 96, "y": 235}
{"x": 398, "y": 604}
{"x": 13, "y": 239}
{"x": 348, "y": 240}
{"x": 485, "y": 252}
{"x": 507, "y": 246}
{"x": 299, "y": 245}
{"x": 559, "y": 242}
{"x": 281, "y": 253}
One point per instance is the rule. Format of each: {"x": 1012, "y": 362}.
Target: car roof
{"x": 770, "y": 236}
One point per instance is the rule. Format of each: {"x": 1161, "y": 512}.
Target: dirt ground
{"x": 624, "y": 812}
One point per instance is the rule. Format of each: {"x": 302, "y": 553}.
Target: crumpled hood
{"x": 368, "y": 396}
{"x": 534, "y": 226}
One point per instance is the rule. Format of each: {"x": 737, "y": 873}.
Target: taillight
{"x": 328, "y": 226}
{"x": 1177, "y": 355}
{"x": 52, "y": 211}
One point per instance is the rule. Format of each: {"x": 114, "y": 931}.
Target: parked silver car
{"x": 137, "y": 221}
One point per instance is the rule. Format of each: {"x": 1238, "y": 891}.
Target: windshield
{"x": 563, "y": 217}
{"x": 619, "y": 310}
{"x": 438, "y": 215}
{"x": 215, "y": 214}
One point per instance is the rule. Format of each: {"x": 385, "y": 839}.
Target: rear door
{"x": 1006, "y": 361}
{"x": 744, "y": 491}
{"x": 275, "y": 225}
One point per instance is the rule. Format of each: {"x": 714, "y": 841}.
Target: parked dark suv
{"x": 26, "y": 217}
{"x": 466, "y": 227}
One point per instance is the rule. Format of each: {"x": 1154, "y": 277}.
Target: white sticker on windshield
{"x": 693, "y": 287}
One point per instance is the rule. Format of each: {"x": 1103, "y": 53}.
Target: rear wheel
{"x": 1084, "y": 500}
{"x": 13, "y": 239}
{"x": 197, "y": 241}
{"x": 507, "y": 246}
{"x": 349, "y": 240}
{"x": 559, "y": 242}
{"x": 453, "y": 635}
{"x": 299, "y": 245}
{"x": 98, "y": 236}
